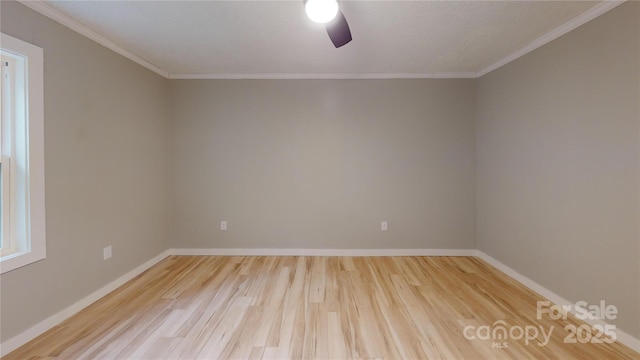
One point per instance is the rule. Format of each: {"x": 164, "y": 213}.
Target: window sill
{"x": 19, "y": 259}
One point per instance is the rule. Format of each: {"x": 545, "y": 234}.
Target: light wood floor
{"x": 189, "y": 307}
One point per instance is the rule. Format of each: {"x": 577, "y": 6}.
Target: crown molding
{"x": 329, "y": 76}
{"x": 572, "y": 24}
{"x": 47, "y": 10}
{"x": 43, "y": 8}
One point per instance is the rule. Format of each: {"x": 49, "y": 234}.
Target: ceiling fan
{"x": 327, "y": 12}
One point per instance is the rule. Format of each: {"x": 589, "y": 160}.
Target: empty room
{"x": 319, "y": 179}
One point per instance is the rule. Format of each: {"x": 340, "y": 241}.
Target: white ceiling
{"x": 226, "y": 39}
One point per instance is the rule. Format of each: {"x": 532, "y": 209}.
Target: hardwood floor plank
{"x": 205, "y": 307}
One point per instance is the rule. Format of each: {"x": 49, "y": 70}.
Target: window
{"x": 22, "y": 213}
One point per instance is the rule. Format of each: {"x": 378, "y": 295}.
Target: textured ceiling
{"x": 213, "y": 38}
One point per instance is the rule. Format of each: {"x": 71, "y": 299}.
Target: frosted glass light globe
{"x": 321, "y": 11}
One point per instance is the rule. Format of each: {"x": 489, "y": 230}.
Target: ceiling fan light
{"x": 321, "y": 11}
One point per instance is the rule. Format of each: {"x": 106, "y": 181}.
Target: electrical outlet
{"x": 223, "y": 225}
{"x": 384, "y": 226}
{"x": 106, "y": 252}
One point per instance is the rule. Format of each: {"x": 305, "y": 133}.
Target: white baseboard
{"x": 621, "y": 336}
{"x": 43, "y": 326}
{"x": 326, "y": 252}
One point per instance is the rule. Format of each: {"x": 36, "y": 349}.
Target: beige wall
{"x": 319, "y": 163}
{"x": 558, "y": 164}
{"x": 105, "y": 165}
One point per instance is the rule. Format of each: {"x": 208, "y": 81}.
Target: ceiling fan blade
{"x": 338, "y": 30}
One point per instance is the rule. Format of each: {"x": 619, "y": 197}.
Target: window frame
{"x": 27, "y": 239}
